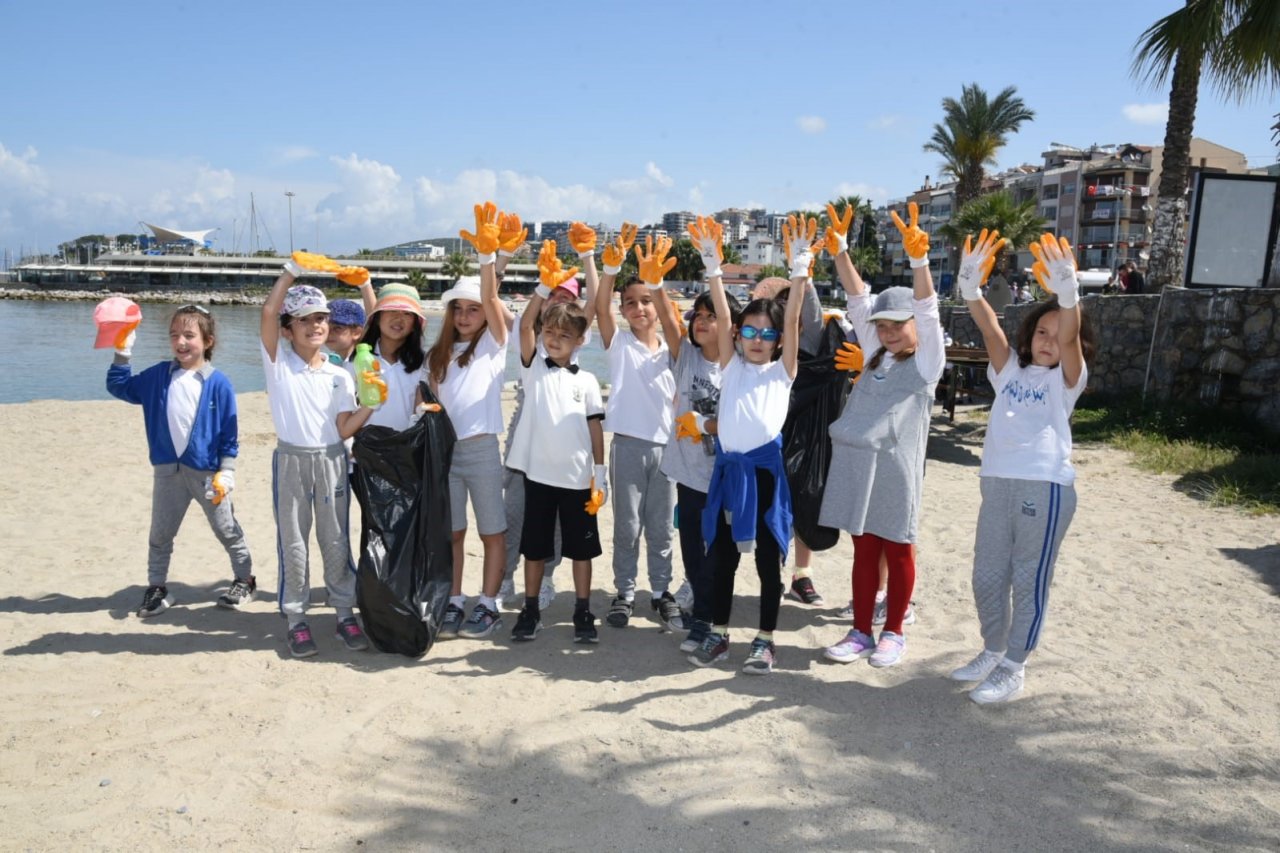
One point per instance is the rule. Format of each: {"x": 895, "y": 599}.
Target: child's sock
{"x": 722, "y": 630}
{"x": 767, "y": 636}
{"x": 1013, "y": 666}
{"x": 531, "y": 603}
{"x": 880, "y": 595}
{"x": 801, "y": 572}
{"x": 458, "y": 601}
{"x": 489, "y": 602}
{"x": 581, "y": 605}
{"x": 344, "y": 613}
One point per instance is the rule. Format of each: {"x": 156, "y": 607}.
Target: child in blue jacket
{"x": 189, "y": 410}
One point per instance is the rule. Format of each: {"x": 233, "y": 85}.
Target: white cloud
{"x": 296, "y": 153}
{"x": 868, "y": 192}
{"x": 884, "y": 122}
{"x": 811, "y": 124}
{"x": 1147, "y": 113}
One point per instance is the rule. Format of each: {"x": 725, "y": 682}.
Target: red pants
{"x": 900, "y": 558}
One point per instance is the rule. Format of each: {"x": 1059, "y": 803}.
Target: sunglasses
{"x": 200, "y": 308}
{"x": 750, "y": 333}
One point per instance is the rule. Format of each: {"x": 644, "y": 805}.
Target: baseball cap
{"x": 572, "y": 285}
{"x": 344, "y": 312}
{"x": 399, "y": 297}
{"x": 303, "y": 299}
{"x": 467, "y": 287}
{"x": 112, "y": 316}
{"x": 893, "y": 304}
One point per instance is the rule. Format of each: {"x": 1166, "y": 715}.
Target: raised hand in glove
{"x": 627, "y": 238}
{"x": 219, "y": 486}
{"x": 551, "y": 271}
{"x": 583, "y": 239}
{"x": 124, "y": 340}
{"x": 1055, "y": 269}
{"x": 849, "y": 358}
{"x": 653, "y": 261}
{"x": 977, "y": 261}
{"x": 836, "y": 238}
{"x": 799, "y": 239}
{"x": 302, "y": 262}
{"x": 511, "y": 234}
{"x": 708, "y": 239}
{"x": 599, "y": 489}
{"x": 914, "y": 240}
{"x": 690, "y": 425}
{"x": 354, "y": 276}
{"x": 613, "y": 256}
{"x": 487, "y": 233}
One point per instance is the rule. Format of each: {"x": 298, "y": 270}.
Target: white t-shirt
{"x": 305, "y": 401}
{"x": 402, "y": 389}
{"x": 472, "y": 395}
{"x": 642, "y": 390}
{"x": 687, "y": 462}
{"x": 1029, "y": 435}
{"x": 753, "y": 403}
{"x": 184, "y": 397}
{"x": 552, "y": 444}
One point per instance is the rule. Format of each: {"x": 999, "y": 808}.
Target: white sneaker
{"x": 506, "y": 592}
{"x": 978, "y": 668}
{"x": 1001, "y": 685}
{"x": 881, "y": 614}
{"x": 684, "y": 597}
{"x": 855, "y": 645}
{"x": 547, "y": 594}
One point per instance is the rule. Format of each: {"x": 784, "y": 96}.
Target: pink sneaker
{"x": 889, "y": 650}
{"x": 855, "y": 645}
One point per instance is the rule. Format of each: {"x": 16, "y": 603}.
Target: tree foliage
{"x": 973, "y": 129}
{"x": 1018, "y": 223}
{"x": 456, "y": 265}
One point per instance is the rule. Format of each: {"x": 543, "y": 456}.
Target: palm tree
{"x": 417, "y": 279}
{"x": 1237, "y": 42}
{"x": 1018, "y": 223}
{"x": 456, "y": 265}
{"x": 973, "y": 130}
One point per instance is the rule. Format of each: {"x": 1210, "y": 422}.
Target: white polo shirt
{"x": 642, "y": 391}
{"x": 305, "y": 401}
{"x": 402, "y": 389}
{"x": 552, "y": 443}
{"x": 472, "y": 395}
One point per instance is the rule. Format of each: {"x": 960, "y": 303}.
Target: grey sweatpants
{"x": 309, "y": 482}
{"x": 1020, "y": 527}
{"x": 643, "y": 503}
{"x": 174, "y": 487}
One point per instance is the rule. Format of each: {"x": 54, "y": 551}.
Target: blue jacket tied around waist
{"x": 733, "y": 490}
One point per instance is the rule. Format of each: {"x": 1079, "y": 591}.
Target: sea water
{"x": 47, "y": 349}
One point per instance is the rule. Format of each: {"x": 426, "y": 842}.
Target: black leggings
{"x": 768, "y": 562}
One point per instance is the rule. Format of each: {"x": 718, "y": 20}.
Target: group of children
{"x": 696, "y": 417}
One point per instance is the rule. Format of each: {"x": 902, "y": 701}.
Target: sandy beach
{"x": 1151, "y": 719}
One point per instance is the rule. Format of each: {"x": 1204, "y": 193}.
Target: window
{"x": 1049, "y": 212}
{"x": 1069, "y": 189}
{"x": 1050, "y": 192}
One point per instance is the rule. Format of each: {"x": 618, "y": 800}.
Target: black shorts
{"x": 543, "y": 504}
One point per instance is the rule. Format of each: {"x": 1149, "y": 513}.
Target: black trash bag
{"x": 406, "y": 569}
{"x": 817, "y": 398}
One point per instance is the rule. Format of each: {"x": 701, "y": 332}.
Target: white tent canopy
{"x": 169, "y": 235}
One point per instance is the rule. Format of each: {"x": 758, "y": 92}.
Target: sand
{"x": 1151, "y": 718}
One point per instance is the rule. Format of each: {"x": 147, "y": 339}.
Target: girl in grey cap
{"x": 878, "y": 442}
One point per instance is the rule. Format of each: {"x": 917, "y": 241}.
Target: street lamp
{"x": 289, "y": 195}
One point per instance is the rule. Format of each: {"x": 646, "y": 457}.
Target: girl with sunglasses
{"x": 748, "y": 501}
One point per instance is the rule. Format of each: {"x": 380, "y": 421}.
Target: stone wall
{"x": 1214, "y": 348}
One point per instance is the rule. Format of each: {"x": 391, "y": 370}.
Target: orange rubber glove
{"x": 511, "y": 234}
{"x": 219, "y": 486}
{"x": 601, "y": 494}
{"x": 583, "y": 239}
{"x": 914, "y": 241}
{"x": 849, "y": 358}
{"x": 689, "y": 425}
{"x": 485, "y": 239}
{"x": 799, "y": 239}
{"x": 354, "y": 276}
{"x": 613, "y": 256}
{"x": 627, "y": 238}
{"x": 551, "y": 271}
{"x": 653, "y": 261}
{"x": 315, "y": 263}
{"x": 1055, "y": 269}
{"x": 836, "y": 238}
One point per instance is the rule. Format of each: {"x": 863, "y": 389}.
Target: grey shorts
{"x": 477, "y": 469}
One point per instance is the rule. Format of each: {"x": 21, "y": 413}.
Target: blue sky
{"x": 389, "y": 120}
